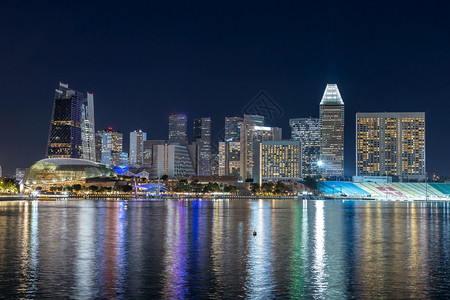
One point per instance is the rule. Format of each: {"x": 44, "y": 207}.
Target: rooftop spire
{"x": 331, "y": 95}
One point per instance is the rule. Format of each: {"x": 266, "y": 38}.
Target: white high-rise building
{"x": 88, "y": 128}
{"x": 332, "y": 132}
{"x": 137, "y": 139}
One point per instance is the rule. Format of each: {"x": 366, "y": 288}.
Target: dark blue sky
{"x": 146, "y": 60}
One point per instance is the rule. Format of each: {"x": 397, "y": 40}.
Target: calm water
{"x": 205, "y": 249}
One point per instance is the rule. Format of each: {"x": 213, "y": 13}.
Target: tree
{"x": 255, "y": 187}
{"x": 93, "y": 188}
{"x": 76, "y": 187}
{"x": 311, "y": 183}
{"x": 164, "y": 177}
{"x": 125, "y": 188}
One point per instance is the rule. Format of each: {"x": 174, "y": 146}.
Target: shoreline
{"x": 21, "y": 197}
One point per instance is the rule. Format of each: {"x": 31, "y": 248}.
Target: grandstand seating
{"x": 400, "y": 190}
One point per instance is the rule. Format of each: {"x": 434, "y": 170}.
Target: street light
{"x": 320, "y": 165}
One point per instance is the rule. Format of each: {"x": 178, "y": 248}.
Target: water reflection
{"x": 205, "y": 249}
{"x": 259, "y": 283}
{"x": 176, "y": 251}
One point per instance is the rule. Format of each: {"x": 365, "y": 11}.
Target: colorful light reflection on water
{"x": 206, "y": 249}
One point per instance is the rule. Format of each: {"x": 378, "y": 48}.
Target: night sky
{"x": 144, "y": 61}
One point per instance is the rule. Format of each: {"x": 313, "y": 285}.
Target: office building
{"x": 71, "y": 133}
{"x": 172, "y": 160}
{"x": 202, "y": 138}
{"x": 332, "y": 132}
{"x": 111, "y": 146}
{"x": 233, "y": 129}
{"x": 229, "y": 158}
{"x": 251, "y": 136}
{"x": 88, "y": 128}
{"x": 278, "y": 161}
{"x": 178, "y": 129}
{"x": 307, "y": 131}
{"x": 148, "y": 151}
{"x": 391, "y": 144}
{"x": 137, "y": 139}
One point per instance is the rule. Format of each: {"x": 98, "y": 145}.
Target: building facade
{"x": 229, "y": 158}
{"x": 307, "y": 131}
{"x": 137, "y": 139}
{"x": 232, "y": 129}
{"x": 332, "y": 132}
{"x": 391, "y": 144}
{"x": 111, "y": 146}
{"x": 71, "y": 133}
{"x": 172, "y": 160}
{"x": 202, "y": 138}
{"x": 251, "y": 136}
{"x": 178, "y": 129}
{"x": 148, "y": 151}
{"x": 278, "y": 161}
{"x": 88, "y": 128}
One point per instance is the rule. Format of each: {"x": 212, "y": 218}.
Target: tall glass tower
{"x": 71, "y": 131}
{"x": 178, "y": 129}
{"x": 202, "y": 137}
{"x": 137, "y": 139}
{"x": 307, "y": 131}
{"x": 332, "y": 132}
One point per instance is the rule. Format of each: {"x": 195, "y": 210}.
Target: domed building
{"x": 64, "y": 171}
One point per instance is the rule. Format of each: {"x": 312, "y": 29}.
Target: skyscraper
{"x": 332, "y": 132}
{"x": 391, "y": 144}
{"x": 111, "y": 146}
{"x": 178, "y": 129}
{"x": 71, "y": 131}
{"x": 87, "y": 128}
{"x": 229, "y": 158}
{"x": 233, "y": 129}
{"x": 251, "y": 136}
{"x": 278, "y": 161}
{"x": 202, "y": 138}
{"x": 171, "y": 160}
{"x": 307, "y": 131}
{"x": 254, "y": 120}
{"x": 137, "y": 139}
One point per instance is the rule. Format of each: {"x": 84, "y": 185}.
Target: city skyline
{"x": 213, "y": 59}
{"x": 179, "y": 123}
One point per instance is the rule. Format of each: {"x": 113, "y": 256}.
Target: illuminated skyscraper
{"x": 137, "y": 139}
{"x": 307, "y": 131}
{"x": 233, "y": 129}
{"x": 72, "y": 131}
{"x": 202, "y": 138}
{"x": 111, "y": 146}
{"x": 178, "y": 129}
{"x": 88, "y": 128}
{"x": 251, "y": 136}
{"x": 278, "y": 161}
{"x": 254, "y": 120}
{"x": 332, "y": 132}
{"x": 391, "y": 144}
{"x": 229, "y": 158}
